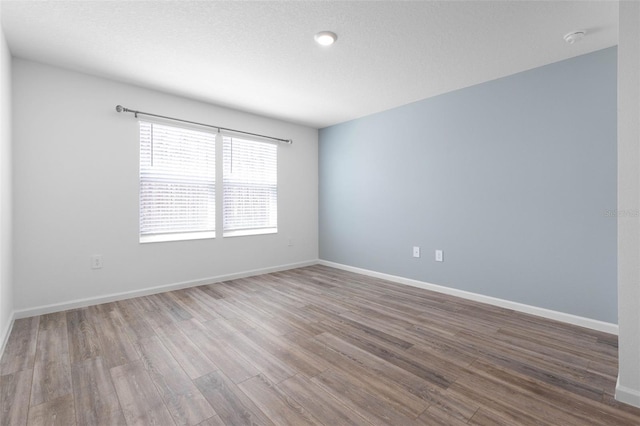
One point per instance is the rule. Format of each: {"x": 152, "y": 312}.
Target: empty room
{"x": 320, "y": 212}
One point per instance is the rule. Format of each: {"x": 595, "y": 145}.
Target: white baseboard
{"x": 4, "y": 337}
{"x": 81, "y": 303}
{"x": 627, "y": 395}
{"x": 520, "y": 307}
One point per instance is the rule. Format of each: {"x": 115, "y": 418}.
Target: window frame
{"x": 266, "y": 230}
{"x": 219, "y": 186}
{"x": 178, "y": 235}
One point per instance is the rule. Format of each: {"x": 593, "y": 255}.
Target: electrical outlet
{"x": 416, "y": 251}
{"x": 439, "y": 256}
{"x": 96, "y": 261}
{"x": 290, "y": 241}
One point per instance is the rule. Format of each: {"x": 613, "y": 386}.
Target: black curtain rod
{"x": 120, "y": 108}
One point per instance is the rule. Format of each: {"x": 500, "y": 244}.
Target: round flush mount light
{"x": 574, "y": 36}
{"x": 325, "y": 38}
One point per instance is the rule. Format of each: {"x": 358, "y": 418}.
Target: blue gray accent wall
{"x": 515, "y": 179}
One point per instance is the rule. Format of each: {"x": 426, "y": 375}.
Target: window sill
{"x": 184, "y": 236}
{"x": 248, "y": 232}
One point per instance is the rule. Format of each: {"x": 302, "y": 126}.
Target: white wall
{"x": 76, "y": 192}
{"x": 6, "y": 282}
{"x": 628, "y": 388}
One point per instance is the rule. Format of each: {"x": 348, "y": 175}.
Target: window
{"x": 177, "y": 183}
{"x": 250, "y": 187}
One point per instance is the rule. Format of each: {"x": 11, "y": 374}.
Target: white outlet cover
{"x": 439, "y": 256}
{"x": 416, "y": 251}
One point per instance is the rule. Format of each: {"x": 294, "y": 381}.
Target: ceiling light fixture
{"x": 325, "y": 38}
{"x": 574, "y": 36}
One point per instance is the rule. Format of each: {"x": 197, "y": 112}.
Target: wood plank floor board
{"x": 485, "y": 417}
{"x": 395, "y": 386}
{"x": 170, "y": 306}
{"x": 434, "y": 416}
{"x": 320, "y": 403}
{"x": 313, "y": 345}
{"x": 56, "y": 412}
{"x": 576, "y": 406}
{"x": 394, "y": 324}
{"x": 94, "y": 394}
{"x": 15, "y": 390}
{"x": 234, "y": 365}
{"x": 368, "y": 405}
{"x": 606, "y": 368}
{"x": 181, "y": 396}
{"x": 325, "y": 307}
{"x": 447, "y": 343}
{"x": 154, "y": 314}
{"x": 209, "y": 289}
{"x": 306, "y": 288}
{"x": 248, "y": 285}
{"x": 562, "y": 378}
{"x": 358, "y": 323}
{"x": 276, "y": 326}
{"x": 190, "y": 357}
{"x": 140, "y": 401}
{"x": 227, "y": 309}
{"x": 115, "y": 344}
{"x": 82, "y": 335}
{"x": 265, "y": 362}
{"x": 20, "y": 350}
{"x": 135, "y": 324}
{"x": 567, "y": 342}
{"x": 231, "y": 290}
{"x": 297, "y": 358}
{"x": 50, "y": 381}
{"x": 52, "y": 369}
{"x": 426, "y": 351}
{"x": 295, "y": 316}
{"x": 438, "y": 372}
{"x": 283, "y": 300}
{"x": 252, "y": 306}
{"x": 460, "y": 322}
{"x": 540, "y": 366}
{"x": 193, "y": 306}
{"x": 212, "y": 421}
{"x": 517, "y": 403}
{"x": 213, "y": 304}
{"x": 277, "y": 405}
{"x": 286, "y": 324}
{"x": 558, "y": 355}
{"x": 361, "y": 300}
{"x": 229, "y": 402}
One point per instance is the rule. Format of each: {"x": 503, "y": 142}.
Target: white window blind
{"x": 177, "y": 183}
{"x": 250, "y": 187}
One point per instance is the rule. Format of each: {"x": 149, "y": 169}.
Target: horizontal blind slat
{"x": 177, "y": 180}
{"x": 250, "y": 185}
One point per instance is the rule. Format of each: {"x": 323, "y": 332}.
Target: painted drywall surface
{"x": 513, "y": 179}
{"x": 76, "y": 191}
{"x": 6, "y": 282}
{"x": 629, "y": 202}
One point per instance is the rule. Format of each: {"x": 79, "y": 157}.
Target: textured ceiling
{"x": 260, "y": 56}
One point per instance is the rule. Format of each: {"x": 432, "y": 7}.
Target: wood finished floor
{"x": 308, "y": 346}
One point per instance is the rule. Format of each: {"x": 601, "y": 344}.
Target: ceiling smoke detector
{"x": 574, "y": 36}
